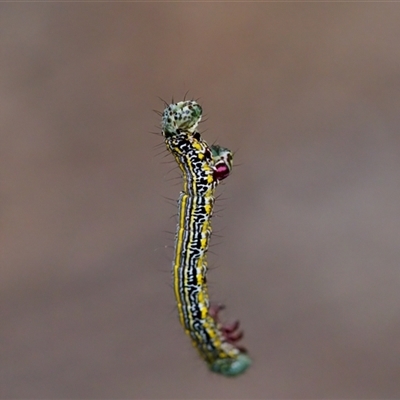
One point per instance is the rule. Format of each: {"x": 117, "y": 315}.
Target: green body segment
{"x": 199, "y": 165}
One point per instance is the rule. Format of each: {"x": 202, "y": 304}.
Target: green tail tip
{"x": 231, "y": 366}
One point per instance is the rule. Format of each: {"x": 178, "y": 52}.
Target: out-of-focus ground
{"x": 308, "y": 95}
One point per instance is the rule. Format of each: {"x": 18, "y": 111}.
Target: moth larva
{"x": 203, "y": 167}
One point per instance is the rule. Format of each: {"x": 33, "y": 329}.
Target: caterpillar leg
{"x": 230, "y": 331}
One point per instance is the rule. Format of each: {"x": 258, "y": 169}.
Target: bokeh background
{"x": 308, "y": 96}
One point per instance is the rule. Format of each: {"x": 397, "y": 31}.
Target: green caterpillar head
{"x": 182, "y": 116}
{"x": 231, "y": 367}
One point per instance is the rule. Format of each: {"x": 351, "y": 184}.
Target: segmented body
{"x": 203, "y": 167}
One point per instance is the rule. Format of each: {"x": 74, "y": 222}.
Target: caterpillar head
{"x": 231, "y": 366}
{"x": 223, "y": 161}
{"x": 182, "y": 116}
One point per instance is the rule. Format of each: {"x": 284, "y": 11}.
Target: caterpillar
{"x": 202, "y": 167}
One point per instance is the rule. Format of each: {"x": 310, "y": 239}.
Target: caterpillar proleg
{"x": 202, "y": 167}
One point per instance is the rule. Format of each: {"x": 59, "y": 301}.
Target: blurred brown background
{"x": 306, "y": 93}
